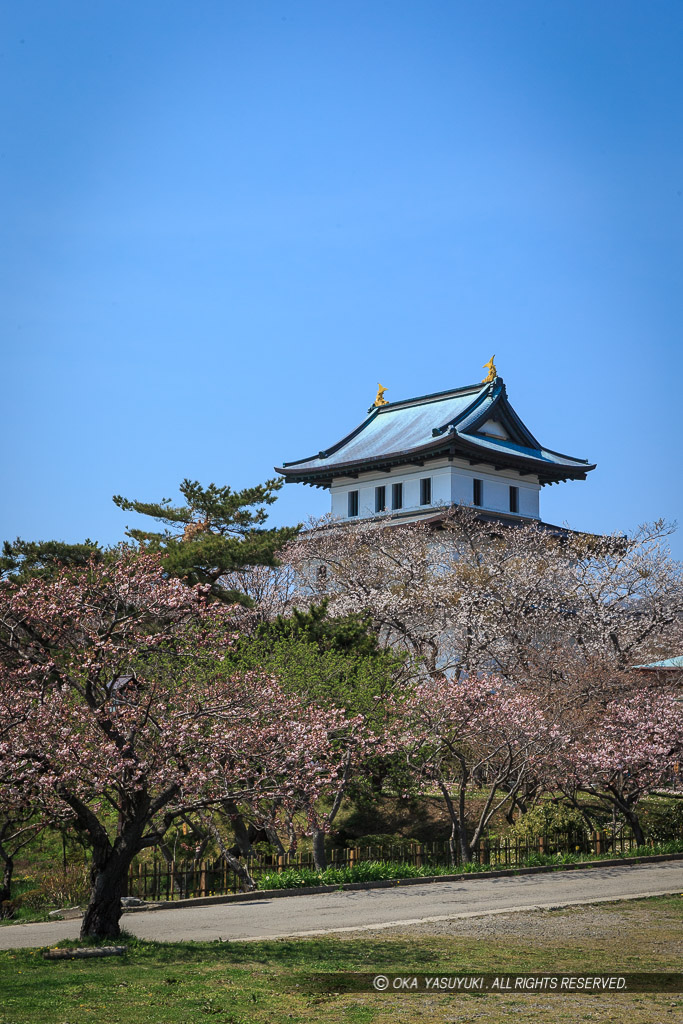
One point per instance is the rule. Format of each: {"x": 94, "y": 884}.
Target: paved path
{"x": 373, "y": 908}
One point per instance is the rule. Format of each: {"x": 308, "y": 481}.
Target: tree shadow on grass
{"x": 319, "y": 954}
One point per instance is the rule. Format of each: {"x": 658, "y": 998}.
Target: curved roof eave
{"x": 457, "y": 445}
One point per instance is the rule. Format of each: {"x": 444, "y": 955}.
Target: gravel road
{"x": 400, "y": 907}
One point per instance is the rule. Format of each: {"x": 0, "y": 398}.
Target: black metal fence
{"x": 160, "y": 880}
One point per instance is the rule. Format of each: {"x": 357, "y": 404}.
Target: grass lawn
{"x": 248, "y": 983}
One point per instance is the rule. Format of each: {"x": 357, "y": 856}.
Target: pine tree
{"x": 215, "y": 532}
{"x": 23, "y": 559}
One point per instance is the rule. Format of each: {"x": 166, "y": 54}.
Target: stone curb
{"x": 391, "y": 883}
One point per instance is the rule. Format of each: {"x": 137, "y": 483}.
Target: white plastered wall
{"x": 452, "y": 482}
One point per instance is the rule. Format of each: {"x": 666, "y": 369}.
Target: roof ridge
{"x": 435, "y": 396}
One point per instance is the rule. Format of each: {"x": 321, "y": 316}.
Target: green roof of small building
{"x": 666, "y": 665}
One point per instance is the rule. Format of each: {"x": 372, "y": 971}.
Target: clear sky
{"x": 224, "y": 222}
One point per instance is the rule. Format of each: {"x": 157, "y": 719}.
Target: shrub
{"x": 34, "y": 899}
{"x": 59, "y": 888}
{"x": 662, "y": 820}
{"x": 547, "y": 819}
{"x": 379, "y": 839}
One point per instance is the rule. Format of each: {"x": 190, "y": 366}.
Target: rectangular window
{"x": 353, "y": 503}
{"x": 514, "y": 499}
{"x": 397, "y": 496}
{"x": 426, "y": 491}
{"x": 380, "y": 499}
{"x": 478, "y": 492}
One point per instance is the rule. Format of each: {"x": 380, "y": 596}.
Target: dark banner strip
{"x": 491, "y": 983}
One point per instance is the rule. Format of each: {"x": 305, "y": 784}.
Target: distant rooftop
{"x": 476, "y": 423}
{"x": 668, "y": 665}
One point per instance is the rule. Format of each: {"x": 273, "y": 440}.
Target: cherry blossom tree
{"x": 560, "y": 616}
{"x": 120, "y": 716}
{"x": 336, "y": 663}
{"x": 477, "y": 740}
{"x": 465, "y": 596}
{"x": 19, "y": 819}
{"x": 621, "y": 752}
{"x": 271, "y": 590}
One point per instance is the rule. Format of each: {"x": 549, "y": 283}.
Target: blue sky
{"x": 224, "y": 222}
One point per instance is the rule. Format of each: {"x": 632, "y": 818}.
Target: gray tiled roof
{"x": 433, "y": 425}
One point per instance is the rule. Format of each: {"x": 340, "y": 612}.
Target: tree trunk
{"x": 242, "y": 837}
{"x": 291, "y": 833}
{"x": 319, "y": 857}
{"x": 119, "y": 830}
{"x": 465, "y": 847}
{"x": 6, "y": 888}
{"x": 108, "y": 876}
{"x": 274, "y": 840}
{"x": 458, "y": 837}
{"x": 453, "y": 845}
{"x": 632, "y": 819}
{"x": 247, "y": 883}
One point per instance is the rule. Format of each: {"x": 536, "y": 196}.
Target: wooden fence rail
{"x": 160, "y": 880}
